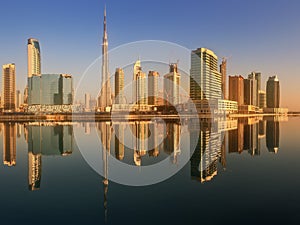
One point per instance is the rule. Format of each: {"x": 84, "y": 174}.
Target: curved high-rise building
{"x": 205, "y": 79}
{"x": 34, "y": 57}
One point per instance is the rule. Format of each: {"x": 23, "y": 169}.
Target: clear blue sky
{"x": 255, "y": 35}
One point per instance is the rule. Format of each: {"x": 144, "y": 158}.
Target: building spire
{"x": 104, "y": 21}
{"x": 104, "y": 26}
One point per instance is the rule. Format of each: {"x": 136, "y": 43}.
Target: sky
{"x": 257, "y": 35}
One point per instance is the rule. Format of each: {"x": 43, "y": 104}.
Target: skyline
{"x": 257, "y": 52}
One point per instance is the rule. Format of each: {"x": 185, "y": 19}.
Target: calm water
{"x": 242, "y": 172}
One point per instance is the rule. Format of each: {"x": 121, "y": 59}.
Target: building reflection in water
{"x": 119, "y": 141}
{"x": 172, "y": 141}
{"x": 9, "y": 144}
{"x": 243, "y": 135}
{"x": 272, "y": 135}
{"x": 105, "y": 130}
{"x": 145, "y": 138}
{"x": 208, "y": 150}
{"x": 46, "y": 140}
{"x": 148, "y": 138}
{"x": 140, "y": 132}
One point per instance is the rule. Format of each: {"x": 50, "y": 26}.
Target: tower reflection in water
{"x": 243, "y": 134}
{"x": 46, "y": 139}
{"x": 139, "y": 140}
{"x": 9, "y": 144}
{"x": 142, "y": 137}
{"x": 151, "y": 141}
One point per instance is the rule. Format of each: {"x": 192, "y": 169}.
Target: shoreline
{"x": 91, "y": 117}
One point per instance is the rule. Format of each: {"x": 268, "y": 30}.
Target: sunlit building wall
{"x": 33, "y": 57}
{"x": 223, "y": 71}
{"x": 87, "y": 101}
{"x": 153, "y": 87}
{"x": 8, "y": 98}
{"x": 273, "y": 92}
{"x": 171, "y": 86}
{"x": 140, "y": 88}
{"x": 250, "y": 91}
{"x": 119, "y": 86}
{"x": 236, "y": 89}
{"x": 205, "y": 79}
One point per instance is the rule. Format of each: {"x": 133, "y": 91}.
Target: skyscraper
{"x": 257, "y": 77}
{"x": 205, "y": 79}
{"x": 223, "y": 71}
{"x": 18, "y": 99}
{"x": 153, "y": 87}
{"x": 236, "y": 89}
{"x": 104, "y": 99}
{"x": 87, "y": 100}
{"x": 273, "y": 92}
{"x": 8, "y": 100}
{"x": 139, "y": 92}
{"x": 171, "y": 85}
{"x": 250, "y": 91}
{"x": 33, "y": 57}
{"x": 262, "y": 99}
{"x": 119, "y": 86}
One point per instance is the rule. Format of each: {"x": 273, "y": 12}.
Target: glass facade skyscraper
{"x": 50, "y": 89}
{"x": 66, "y": 88}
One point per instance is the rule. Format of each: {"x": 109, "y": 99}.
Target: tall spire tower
{"x": 104, "y": 99}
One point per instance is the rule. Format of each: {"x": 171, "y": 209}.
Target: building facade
{"x": 87, "y": 101}
{"x": 33, "y": 57}
{"x": 171, "y": 86}
{"x": 250, "y": 91}
{"x": 18, "y": 99}
{"x": 273, "y": 92}
{"x": 51, "y": 93}
{"x": 223, "y": 71}
{"x": 119, "y": 86}
{"x": 205, "y": 79}
{"x": 257, "y": 77}
{"x": 8, "y": 98}
{"x": 262, "y": 99}
{"x": 153, "y": 77}
{"x": 236, "y": 89}
{"x": 140, "y": 88}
